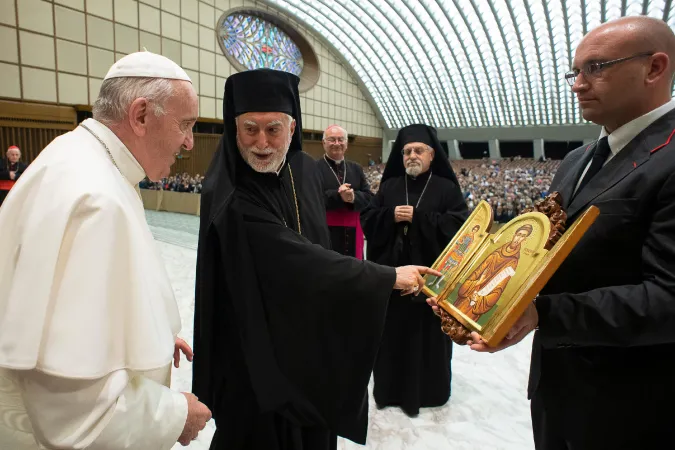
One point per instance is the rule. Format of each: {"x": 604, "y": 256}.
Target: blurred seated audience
{"x": 510, "y": 185}
{"x": 374, "y": 175}
{"x": 176, "y": 183}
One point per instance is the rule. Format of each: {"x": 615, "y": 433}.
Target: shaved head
{"x": 639, "y": 34}
{"x": 627, "y": 68}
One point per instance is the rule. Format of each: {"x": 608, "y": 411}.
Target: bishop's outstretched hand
{"x": 409, "y": 278}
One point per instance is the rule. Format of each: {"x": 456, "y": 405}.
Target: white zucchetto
{"x": 147, "y": 65}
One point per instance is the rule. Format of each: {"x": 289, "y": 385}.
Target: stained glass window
{"x": 256, "y": 43}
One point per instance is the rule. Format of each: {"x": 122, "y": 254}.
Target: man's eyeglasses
{"x": 593, "y": 69}
{"x": 332, "y": 140}
{"x": 418, "y": 151}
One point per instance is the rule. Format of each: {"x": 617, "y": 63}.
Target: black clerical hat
{"x": 263, "y": 90}
{"x": 260, "y": 90}
{"x": 440, "y": 166}
{"x": 417, "y": 133}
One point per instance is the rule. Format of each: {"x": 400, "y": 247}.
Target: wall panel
{"x": 100, "y": 31}
{"x": 32, "y": 127}
{"x": 31, "y": 141}
{"x": 198, "y": 159}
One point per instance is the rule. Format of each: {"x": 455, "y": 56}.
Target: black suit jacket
{"x": 607, "y": 317}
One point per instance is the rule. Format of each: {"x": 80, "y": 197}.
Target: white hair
{"x": 117, "y": 95}
{"x": 289, "y": 120}
{"x": 335, "y": 126}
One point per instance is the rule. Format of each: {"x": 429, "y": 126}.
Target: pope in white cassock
{"x": 88, "y": 320}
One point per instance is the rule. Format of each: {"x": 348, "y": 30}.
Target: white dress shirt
{"x": 626, "y": 133}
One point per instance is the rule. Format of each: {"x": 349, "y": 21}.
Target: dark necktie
{"x": 600, "y": 154}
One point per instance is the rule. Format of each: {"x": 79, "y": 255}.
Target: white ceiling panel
{"x": 465, "y": 63}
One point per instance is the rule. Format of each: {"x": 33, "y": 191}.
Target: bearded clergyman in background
{"x": 417, "y": 210}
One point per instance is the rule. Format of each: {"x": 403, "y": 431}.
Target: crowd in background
{"x": 509, "y": 185}
{"x": 178, "y": 183}
{"x": 374, "y": 175}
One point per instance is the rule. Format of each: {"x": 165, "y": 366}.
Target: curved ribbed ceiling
{"x": 465, "y": 63}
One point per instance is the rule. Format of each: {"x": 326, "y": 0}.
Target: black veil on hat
{"x": 256, "y": 338}
{"x": 223, "y": 239}
{"x": 260, "y": 90}
{"x": 440, "y": 166}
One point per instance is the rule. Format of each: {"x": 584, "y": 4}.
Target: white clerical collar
{"x": 125, "y": 161}
{"x": 335, "y": 160}
{"x": 626, "y": 133}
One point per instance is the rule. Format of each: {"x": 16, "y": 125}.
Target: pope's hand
{"x": 181, "y": 346}
{"x": 523, "y": 326}
{"x": 409, "y": 278}
{"x": 198, "y": 415}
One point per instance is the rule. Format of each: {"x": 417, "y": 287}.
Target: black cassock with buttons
{"x": 346, "y": 235}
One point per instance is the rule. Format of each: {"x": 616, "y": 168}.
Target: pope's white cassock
{"x": 88, "y": 319}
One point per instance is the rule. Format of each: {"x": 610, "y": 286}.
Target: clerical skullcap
{"x": 417, "y": 133}
{"x": 147, "y": 65}
{"x": 264, "y": 90}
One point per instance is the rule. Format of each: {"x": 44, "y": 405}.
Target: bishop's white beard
{"x": 414, "y": 170}
{"x": 271, "y": 166}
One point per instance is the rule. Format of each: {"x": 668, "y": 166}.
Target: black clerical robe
{"x": 413, "y": 366}
{"x": 286, "y": 331}
{"x": 6, "y": 182}
{"x": 342, "y": 217}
